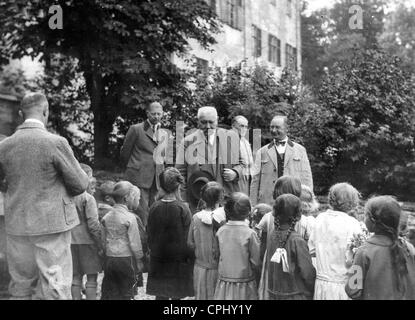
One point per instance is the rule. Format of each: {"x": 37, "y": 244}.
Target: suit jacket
{"x": 191, "y": 157}
{"x": 137, "y": 153}
{"x": 247, "y": 158}
{"x": 266, "y": 170}
{"x": 42, "y": 177}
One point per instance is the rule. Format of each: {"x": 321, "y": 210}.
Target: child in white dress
{"x": 328, "y": 242}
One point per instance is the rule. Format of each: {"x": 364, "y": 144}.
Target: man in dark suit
{"x": 213, "y": 150}
{"x": 137, "y": 154}
{"x": 41, "y": 176}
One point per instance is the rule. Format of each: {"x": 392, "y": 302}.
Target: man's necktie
{"x": 279, "y": 143}
{"x": 155, "y": 132}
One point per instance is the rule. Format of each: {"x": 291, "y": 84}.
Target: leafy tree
{"x": 371, "y": 107}
{"x": 313, "y": 42}
{"x": 68, "y": 101}
{"x": 14, "y": 82}
{"x": 398, "y": 37}
{"x": 373, "y": 15}
{"x": 328, "y": 39}
{"x": 123, "y": 48}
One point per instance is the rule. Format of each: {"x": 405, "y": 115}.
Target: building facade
{"x": 265, "y": 32}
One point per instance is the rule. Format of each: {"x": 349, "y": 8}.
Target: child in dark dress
{"x": 171, "y": 261}
{"x": 291, "y": 275}
{"x": 383, "y": 267}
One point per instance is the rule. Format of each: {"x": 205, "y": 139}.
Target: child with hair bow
{"x": 291, "y": 275}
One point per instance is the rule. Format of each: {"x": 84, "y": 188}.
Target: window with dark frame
{"x": 232, "y": 12}
{"x": 256, "y": 40}
{"x": 274, "y": 50}
{"x": 212, "y": 4}
{"x": 202, "y": 67}
{"x": 290, "y": 57}
{"x": 295, "y": 58}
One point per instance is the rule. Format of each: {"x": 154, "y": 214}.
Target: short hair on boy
{"x": 212, "y": 193}
{"x": 343, "y": 197}
{"x": 122, "y": 189}
{"x": 136, "y": 191}
{"x": 87, "y": 169}
{"x": 260, "y": 210}
{"x": 107, "y": 187}
{"x": 237, "y": 206}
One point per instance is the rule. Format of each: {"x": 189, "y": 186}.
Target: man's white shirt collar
{"x": 154, "y": 126}
{"x": 34, "y": 121}
{"x": 281, "y": 149}
{"x": 212, "y": 137}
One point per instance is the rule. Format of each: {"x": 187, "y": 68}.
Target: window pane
{"x": 256, "y": 41}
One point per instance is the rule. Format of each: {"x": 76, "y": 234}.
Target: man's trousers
{"x": 40, "y": 266}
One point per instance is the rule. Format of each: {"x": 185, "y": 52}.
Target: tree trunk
{"x": 103, "y": 126}
{"x": 102, "y": 123}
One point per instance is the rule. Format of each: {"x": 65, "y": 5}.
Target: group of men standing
{"x": 39, "y": 176}
{"x": 217, "y": 154}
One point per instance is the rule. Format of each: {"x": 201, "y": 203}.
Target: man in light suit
{"x": 280, "y": 157}
{"x": 137, "y": 153}
{"x": 211, "y": 149}
{"x": 240, "y": 125}
{"x": 41, "y": 176}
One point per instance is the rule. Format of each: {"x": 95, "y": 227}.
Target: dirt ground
{"x": 141, "y": 294}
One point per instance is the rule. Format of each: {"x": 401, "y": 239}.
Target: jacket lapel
{"x": 273, "y": 154}
{"x": 149, "y": 131}
{"x": 201, "y": 145}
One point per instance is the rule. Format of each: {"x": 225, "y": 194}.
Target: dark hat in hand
{"x": 197, "y": 181}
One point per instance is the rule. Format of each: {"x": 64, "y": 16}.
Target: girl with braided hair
{"x": 238, "y": 248}
{"x": 384, "y": 267}
{"x": 284, "y": 185}
{"x": 291, "y": 274}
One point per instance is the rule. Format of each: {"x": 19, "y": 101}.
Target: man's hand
{"x": 140, "y": 265}
{"x": 229, "y": 175}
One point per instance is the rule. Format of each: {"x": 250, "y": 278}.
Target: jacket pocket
{"x": 297, "y": 163}
{"x": 70, "y": 213}
{"x": 264, "y": 165}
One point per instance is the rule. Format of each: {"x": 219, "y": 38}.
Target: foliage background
{"x": 352, "y": 107}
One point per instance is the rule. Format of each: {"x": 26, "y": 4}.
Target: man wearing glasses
{"x": 137, "y": 155}
{"x": 280, "y": 157}
{"x": 240, "y": 125}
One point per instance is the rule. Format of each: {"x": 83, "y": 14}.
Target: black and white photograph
{"x": 207, "y": 150}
